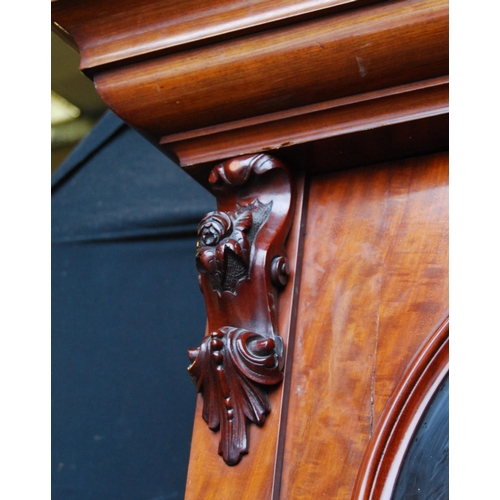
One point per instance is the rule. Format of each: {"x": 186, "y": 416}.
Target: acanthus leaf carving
{"x": 230, "y": 370}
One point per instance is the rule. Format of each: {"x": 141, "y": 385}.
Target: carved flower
{"x": 213, "y": 228}
{"x": 219, "y": 234}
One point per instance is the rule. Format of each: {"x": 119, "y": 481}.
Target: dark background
{"x": 125, "y": 308}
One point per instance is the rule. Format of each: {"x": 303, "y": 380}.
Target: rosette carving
{"x": 242, "y": 263}
{"x": 224, "y": 242}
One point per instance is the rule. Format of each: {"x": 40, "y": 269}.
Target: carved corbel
{"x": 243, "y": 264}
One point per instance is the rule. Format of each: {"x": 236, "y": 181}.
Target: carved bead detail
{"x": 236, "y": 355}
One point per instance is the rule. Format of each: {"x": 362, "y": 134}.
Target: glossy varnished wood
{"x": 374, "y": 287}
{"x": 243, "y": 266}
{"x": 342, "y": 117}
{"x": 401, "y": 415}
{"x": 207, "y": 81}
{"x": 253, "y": 477}
{"x": 114, "y": 32}
{"x": 326, "y": 85}
{"x": 315, "y": 61}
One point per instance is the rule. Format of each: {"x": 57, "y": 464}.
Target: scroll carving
{"x": 242, "y": 263}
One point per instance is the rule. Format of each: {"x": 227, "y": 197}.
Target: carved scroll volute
{"x": 243, "y": 264}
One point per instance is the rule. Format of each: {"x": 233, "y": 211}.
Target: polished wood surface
{"x": 365, "y": 112}
{"x": 309, "y": 77}
{"x": 373, "y": 291}
{"x": 243, "y": 266}
{"x": 108, "y": 32}
{"x": 402, "y": 414}
{"x": 374, "y": 287}
{"x": 254, "y": 476}
{"x": 353, "y": 97}
{"x": 333, "y": 57}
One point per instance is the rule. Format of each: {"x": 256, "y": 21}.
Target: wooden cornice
{"x": 117, "y": 32}
{"x": 311, "y": 123}
{"x": 210, "y": 80}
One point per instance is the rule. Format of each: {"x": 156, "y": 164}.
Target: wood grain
{"x": 113, "y": 31}
{"x": 326, "y": 85}
{"x": 374, "y": 287}
{"x": 401, "y": 416}
{"x": 358, "y": 51}
{"x": 341, "y": 117}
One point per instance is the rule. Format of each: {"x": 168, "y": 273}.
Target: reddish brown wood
{"x": 384, "y": 455}
{"x": 307, "y": 81}
{"x": 325, "y": 85}
{"x": 114, "y": 31}
{"x": 374, "y": 287}
{"x": 243, "y": 263}
{"x": 341, "y": 117}
{"x": 254, "y": 475}
{"x": 418, "y": 137}
{"x": 333, "y": 57}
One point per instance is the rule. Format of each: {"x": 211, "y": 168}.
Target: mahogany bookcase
{"x": 322, "y": 129}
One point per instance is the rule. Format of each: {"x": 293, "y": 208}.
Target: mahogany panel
{"x": 418, "y": 256}
{"x": 362, "y": 50}
{"x": 208, "y": 475}
{"x": 374, "y": 287}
